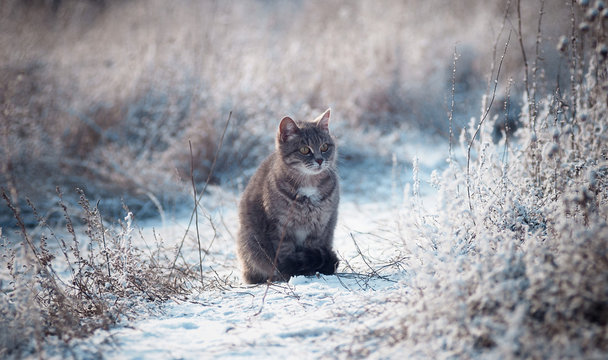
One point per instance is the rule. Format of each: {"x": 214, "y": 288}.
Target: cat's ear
{"x": 287, "y": 129}
{"x": 323, "y": 121}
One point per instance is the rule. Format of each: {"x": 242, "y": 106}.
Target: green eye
{"x": 324, "y": 147}
{"x": 304, "y": 150}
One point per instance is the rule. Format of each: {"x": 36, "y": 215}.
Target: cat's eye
{"x": 324, "y": 147}
{"x": 304, "y": 150}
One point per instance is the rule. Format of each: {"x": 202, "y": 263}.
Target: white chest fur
{"x": 310, "y": 192}
{"x": 300, "y": 235}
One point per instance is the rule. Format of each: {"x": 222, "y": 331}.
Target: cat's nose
{"x": 319, "y": 161}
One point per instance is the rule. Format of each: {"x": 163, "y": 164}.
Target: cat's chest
{"x": 310, "y": 193}
{"x": 311, "y": 214}
{"x": 303, "y": 211}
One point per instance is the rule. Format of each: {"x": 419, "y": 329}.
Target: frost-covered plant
{"x": 519, "y": 268}
{"x": 59, "y": 289}
{"x": 86, "y": 109}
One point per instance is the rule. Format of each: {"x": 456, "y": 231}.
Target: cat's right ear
{"x": 287, "y": 129}
{"x": 323, "y": 121}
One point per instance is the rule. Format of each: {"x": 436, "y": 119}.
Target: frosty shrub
{"x": 96, "y": 95}
{"x": 519, "y": 269}
{"x": 65, "y": 285}
{"x": 106, "y": 95}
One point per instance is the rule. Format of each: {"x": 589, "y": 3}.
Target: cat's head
{"x": 307, "y": 147}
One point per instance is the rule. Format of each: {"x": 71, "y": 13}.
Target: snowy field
{"x": 305, "y": 318}
{"x": 472, "y": 138}
{"x": 308, "y": 317}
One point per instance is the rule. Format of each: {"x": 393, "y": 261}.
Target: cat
{"x": 289, "y": 208}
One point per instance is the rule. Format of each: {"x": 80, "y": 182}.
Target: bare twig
{"x": 362, "y": 256}
{"x": 103, "y": 237}
{"x": 536, "y": 58}
{"x": 531, "y": 107}
{"x": 219, "y": 147}
{"x": 339, "y": 275}
{"x": 60, "y": 242}
{"x": 42, "y": 266}
{"x": 158, "y": 205}
{"x": 483, "y": 118}
{"x": 268, "y": 285}
{"x": 70, "y": 227}
{"x": 6, "y": 164}
{"x": 194, "y": 193}
{"x": 349, "y": 266}
{"x": 263, "y": 299}
{"x": 451, "y": 113}
{"x": 506, "y": 108}
{"x": 573, "y": 63}
{"x": 226, "y": 228}
{"x": 374, "y": 272}
{"x": 206, "y": 251}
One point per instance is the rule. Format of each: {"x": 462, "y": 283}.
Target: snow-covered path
{"x": 307, "y": 318}
{"x": 303, "y": 320}
{"x": 314, "y": 317}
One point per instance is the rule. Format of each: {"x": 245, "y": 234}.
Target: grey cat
{"x": 289, "y": 208}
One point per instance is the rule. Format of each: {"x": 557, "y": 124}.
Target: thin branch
{"x": 263, "y": 299}
{"x": 206, "y": 251}
{"x": 103, "y": 238}
{"x": 506, "y": 108}
{"x": 219, "y": 147}
{"x": 44, "y": 268}
{"x": 483, "y": 118}
{"x": 194, "y": 194}
{"x": 573, "y": 63}
{"x": 451, "y": 114}
{"x": 531, "y": 115}
{"x": 536, "y": 58}
{"x": 373, "y": 271}
{"x": 22, "y": 227}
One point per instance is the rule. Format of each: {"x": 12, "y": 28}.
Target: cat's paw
{"x": 251, "y": 277}
{"x": 313, "y": 260}
{"x": 302, "y": 262}
{"x": 330, "y": 262}
{"x": 290, "y": 265}
{"x": 309, "y": 261}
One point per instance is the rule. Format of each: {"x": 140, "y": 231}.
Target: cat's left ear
{"x": 323, "y": 121}
{"x": 287, "y": 129}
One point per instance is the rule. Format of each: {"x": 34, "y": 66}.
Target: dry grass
{"x": 519, "y": 270}
{"x": 105, "y": 95}
{"x": 65, "y": 284}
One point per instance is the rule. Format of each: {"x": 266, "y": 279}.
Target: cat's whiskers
{"x": 295, "y": 193}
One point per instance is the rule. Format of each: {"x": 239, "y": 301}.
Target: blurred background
{"x": 104, "y": 95}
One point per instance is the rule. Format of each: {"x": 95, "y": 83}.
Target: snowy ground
{"x": 301, "y": 319}
{"x": 315, "y": 317}
{"x": 517, "y": 271}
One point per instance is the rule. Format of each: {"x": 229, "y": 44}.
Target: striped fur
{"x": 290, "y": 206}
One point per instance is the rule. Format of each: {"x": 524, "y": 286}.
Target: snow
{"x": 308, "y": 317}
{"x": 422, "y": 275}
{"x": 300, "y": 319}
{"x": 502, "y": 259}
{"x": 292, "y": 321}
